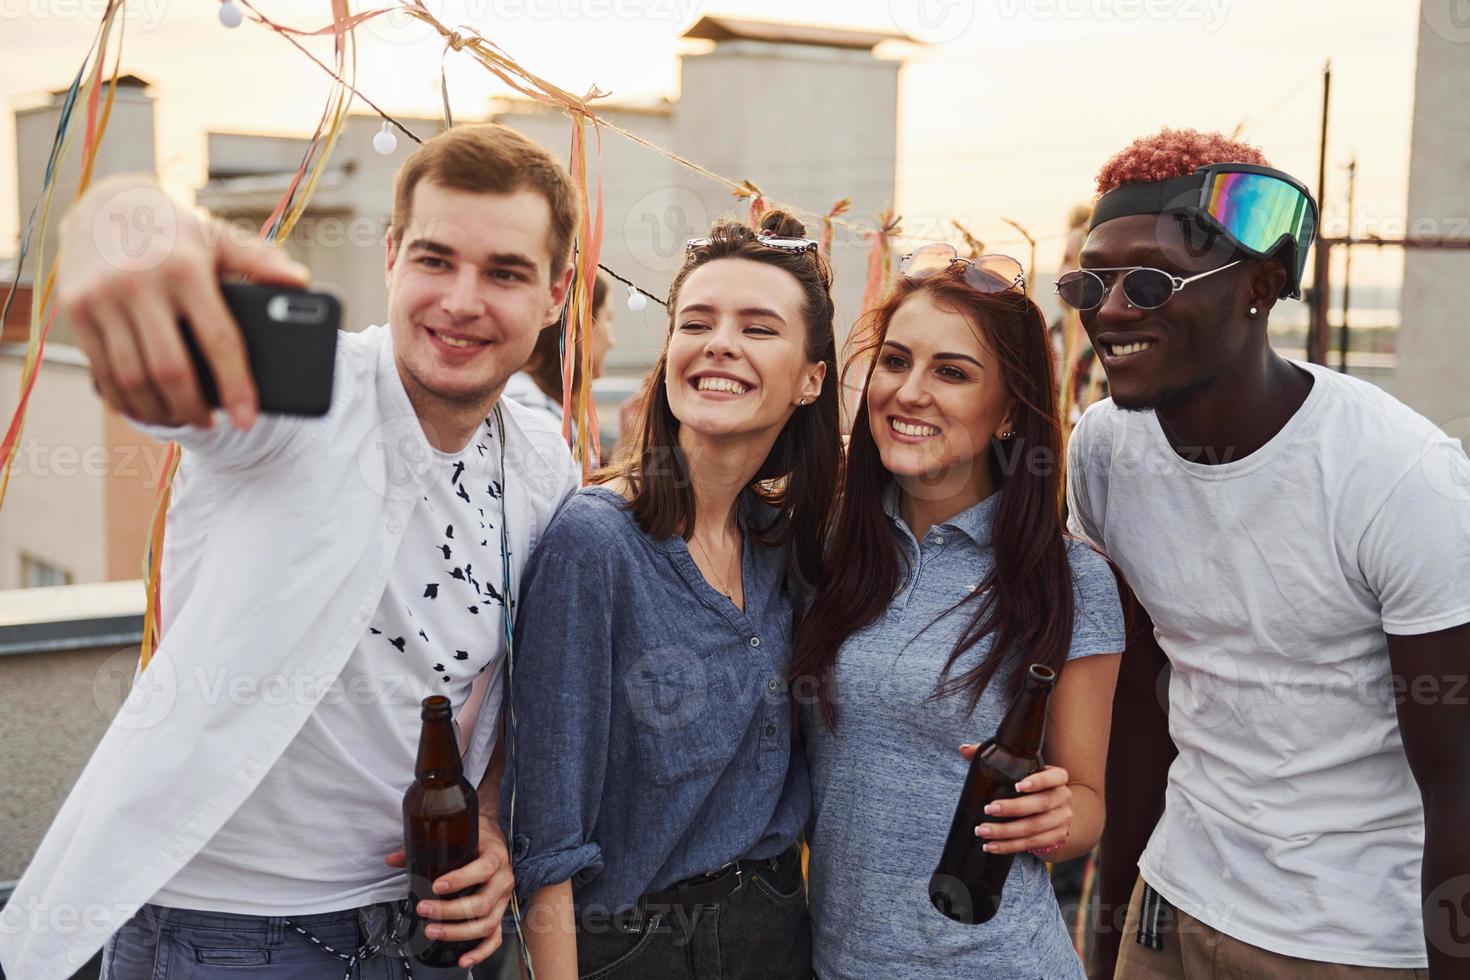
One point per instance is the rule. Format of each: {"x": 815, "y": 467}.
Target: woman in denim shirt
{"x": 948, "y": 575}
{"x": 654, "y": 794}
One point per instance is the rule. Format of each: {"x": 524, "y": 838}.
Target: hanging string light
{"x": 637, "y": 302}
{"x": 229, "y": 14}
{"x": 384, "y": 141}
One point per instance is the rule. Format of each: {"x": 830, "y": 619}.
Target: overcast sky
{"x": 1009, "y": 110}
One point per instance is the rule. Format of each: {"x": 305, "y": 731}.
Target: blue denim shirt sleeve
{"x": 560, "y": 766}
{"x": 1097, "y": 618}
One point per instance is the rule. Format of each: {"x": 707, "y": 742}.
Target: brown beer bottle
{"x": 441, "y": 827}
{"x": 967, "y": 884}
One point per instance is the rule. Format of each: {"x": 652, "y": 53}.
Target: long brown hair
{"x": 799, "y": 475}
{"x": 544, "y": 364}
{"x": 1025, "y": 602}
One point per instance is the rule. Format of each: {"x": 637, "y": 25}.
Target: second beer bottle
{"x": 967, "y": 884}
{"x": 441, "y": 826}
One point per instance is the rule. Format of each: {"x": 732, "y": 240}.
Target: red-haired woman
{"x": 948, "y": 575}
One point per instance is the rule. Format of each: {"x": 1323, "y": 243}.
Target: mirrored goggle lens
{"x": 1257, "y": 210}
{"x": 924, "y": 262}
{"x": 993, "y": 273}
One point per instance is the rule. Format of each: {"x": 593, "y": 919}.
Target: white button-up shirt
{"x": 306, "y": 519}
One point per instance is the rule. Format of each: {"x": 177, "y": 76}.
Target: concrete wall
{"x": 83, "y": 483}
{"x": 649, "y": 211}
{"x": 1433, "y": 374}
{"x": 55, "y": 505}
{"x": 808, "y": 125}
{"x": 67, "y": 657}
{"x": 127, "y": 147}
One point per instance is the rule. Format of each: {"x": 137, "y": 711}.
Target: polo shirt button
{"x": 939, "y": 539}
{"x": 773, "y": 685}
{"x": 392, "y": 527}
{"x": 770, "y": 730}
{"x": 755, "y": 641}
{"x": 73, "y": 957}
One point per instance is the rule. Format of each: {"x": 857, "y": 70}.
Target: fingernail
{"x": 423, "y": 908}
{"x": 1023, "y": 786}
{"x": 989, "y": 848}
{"x": 299, "y": 270}
{"x": 433, "y": 932}
{"x": 993, "y": 809}
{"x": 240, "y": 417}
{"x": 440, "y": 887}
{"x": 983, "y": 830}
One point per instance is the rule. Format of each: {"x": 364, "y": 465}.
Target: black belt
{"x": 715, "y": 886}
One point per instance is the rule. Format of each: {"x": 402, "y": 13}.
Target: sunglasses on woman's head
{"x": 987, "y": 274}
{"x": 1143, "y": 287}
{"x": 770, "y": 241}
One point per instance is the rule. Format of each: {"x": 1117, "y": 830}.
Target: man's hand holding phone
{"x": 133, "y": 263}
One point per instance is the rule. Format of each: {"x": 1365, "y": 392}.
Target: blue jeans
{"x": 181, "y": 944}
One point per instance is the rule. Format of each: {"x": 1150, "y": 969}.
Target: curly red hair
{"x": 1173, "y": 153}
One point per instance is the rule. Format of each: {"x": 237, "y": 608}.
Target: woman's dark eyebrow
{"x": 763, "y": 311}
{"x": 941, "y": 356}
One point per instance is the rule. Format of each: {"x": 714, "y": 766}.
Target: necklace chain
{"x": 723, "y": 585}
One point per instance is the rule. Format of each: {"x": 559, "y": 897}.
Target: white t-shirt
{"x": 312, "y": 836}
{"x": 1291, "y": 821}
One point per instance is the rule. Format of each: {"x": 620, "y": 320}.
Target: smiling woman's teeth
{"x": 722, "y": 384}
{"x": 1119, "y": 350}
{"x": 904, "y": 428}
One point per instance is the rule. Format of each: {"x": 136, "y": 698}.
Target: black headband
{"x": 1154, "y": 197}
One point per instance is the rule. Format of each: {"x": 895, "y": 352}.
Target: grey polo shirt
{"x": 885, "y": 784}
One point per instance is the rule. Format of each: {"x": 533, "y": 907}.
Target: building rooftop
{"x": 715, "y": 28}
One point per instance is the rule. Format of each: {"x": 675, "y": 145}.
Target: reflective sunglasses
{"x": 987, "y": 274}
{"x": 770, "y": 241}
{"x": 1143, "y": 287}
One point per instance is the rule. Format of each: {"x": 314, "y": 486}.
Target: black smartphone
{"x": 291, "y": 341}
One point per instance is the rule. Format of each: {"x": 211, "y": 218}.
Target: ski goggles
{"x": 986, "y": 274}
{"x": 1260, "y": 210}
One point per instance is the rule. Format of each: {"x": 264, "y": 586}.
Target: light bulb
{"x": 636, "y": 300}
{"x": 229, "y": 14}
{"x": 384, "y": 141}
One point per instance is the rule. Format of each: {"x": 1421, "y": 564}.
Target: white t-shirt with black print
{"x": 313, "y": 835}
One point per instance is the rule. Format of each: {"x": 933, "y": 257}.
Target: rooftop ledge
{"x": 71, "y": 617}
